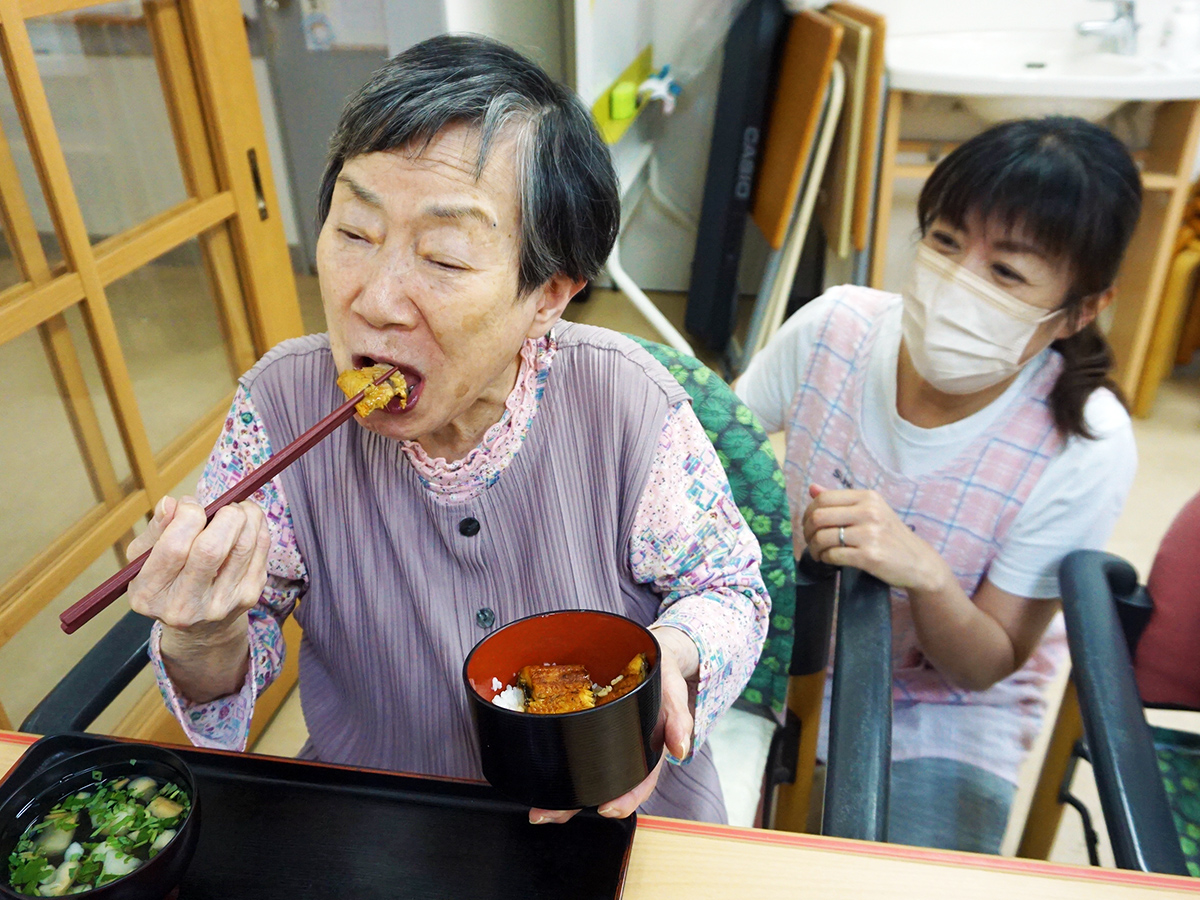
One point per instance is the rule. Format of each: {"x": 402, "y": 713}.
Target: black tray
{"x": 279, "y": 828}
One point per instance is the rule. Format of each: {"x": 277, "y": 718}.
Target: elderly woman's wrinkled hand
{"x": 859, "y": 529}
{"x": 201, "y": 578}
{"x": 680, "y": 667}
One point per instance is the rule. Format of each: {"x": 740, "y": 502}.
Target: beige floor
{"x": 1169, "y": 446}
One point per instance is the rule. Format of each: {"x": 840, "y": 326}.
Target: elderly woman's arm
{"x": 182, "y": 664}
{"x": 690, "y": 541}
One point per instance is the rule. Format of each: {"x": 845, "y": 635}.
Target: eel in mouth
{"x": 375, "y": 396}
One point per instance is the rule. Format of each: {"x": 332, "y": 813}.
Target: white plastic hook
{"x": 659, "y": 87}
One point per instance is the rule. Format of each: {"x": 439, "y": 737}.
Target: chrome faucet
{"x": 1118, "y": 34}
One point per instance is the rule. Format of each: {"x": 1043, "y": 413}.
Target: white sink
{"x": 1005, "y": 74}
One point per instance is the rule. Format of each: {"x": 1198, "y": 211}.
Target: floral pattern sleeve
{"x": 224, "y": 723}
{"x": 691, "y": 543}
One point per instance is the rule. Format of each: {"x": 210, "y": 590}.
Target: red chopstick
{"x": 90, "y": 606}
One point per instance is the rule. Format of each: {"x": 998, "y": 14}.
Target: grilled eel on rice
{"x": 568, "y": 688}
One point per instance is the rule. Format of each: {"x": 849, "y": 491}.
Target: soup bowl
{"x": 155, "y": 878}
{"x": 575, "y": 759}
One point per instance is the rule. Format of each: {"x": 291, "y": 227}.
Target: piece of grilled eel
{"x": 556, "y": 689}
{"x": 375, "y": 396}
{"x": 631, "y": 676}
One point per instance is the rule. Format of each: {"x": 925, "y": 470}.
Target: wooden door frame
{"x": 203, "y": 60}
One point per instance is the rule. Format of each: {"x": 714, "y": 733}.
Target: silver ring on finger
{"x": 842, "y": 535}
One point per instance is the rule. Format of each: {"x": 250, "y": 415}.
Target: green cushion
{"x": 1179, "y": 761}
{"x": 758, "y": 489}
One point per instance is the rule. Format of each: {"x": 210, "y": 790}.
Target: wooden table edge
{"x": 901, "y": 852}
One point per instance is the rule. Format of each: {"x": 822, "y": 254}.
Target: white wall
{"x": 535, "y": 27}
{"x": 656, "y": 249}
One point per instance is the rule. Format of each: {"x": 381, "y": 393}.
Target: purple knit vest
{"x": 401, "y": 590}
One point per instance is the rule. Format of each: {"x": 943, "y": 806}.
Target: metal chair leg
{"x": 1091, "y": 839}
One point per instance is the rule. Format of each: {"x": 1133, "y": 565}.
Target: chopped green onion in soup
{"x": 95, "y": 836}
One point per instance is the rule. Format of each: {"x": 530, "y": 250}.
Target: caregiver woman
{"x": 537, "y": 466}
{"x": 959, "y": 440}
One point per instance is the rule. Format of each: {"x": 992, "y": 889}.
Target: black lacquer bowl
{"x": 566, "y": 760}
{"x": 155, "y": 878}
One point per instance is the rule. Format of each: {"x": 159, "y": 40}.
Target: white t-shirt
{"x": 1074, "y": 504}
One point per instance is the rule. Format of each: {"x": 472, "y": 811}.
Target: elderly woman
{"x": 536, "y": 466}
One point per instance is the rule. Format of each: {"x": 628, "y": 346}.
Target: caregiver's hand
{"x": 199, "y": 582}
{"x": 680, "y": 666}
{"x": 875, "y": 540}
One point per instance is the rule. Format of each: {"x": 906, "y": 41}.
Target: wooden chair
{"x": 1176, "y": 334}
{"x": 1189, "y": 337}
{"x": 1183, "y": 279}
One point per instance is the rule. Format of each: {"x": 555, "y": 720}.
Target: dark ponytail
{"x": 1087, "y": 361}
{"x": 1072, "y": 188}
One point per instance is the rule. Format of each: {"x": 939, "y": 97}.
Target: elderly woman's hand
{"x": 680, "y": 668}
{"x": 859, "y": 529}
{"x": 199, "y": 582}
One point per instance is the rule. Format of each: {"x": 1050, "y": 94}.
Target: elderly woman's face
{"x": 417, "y": 263}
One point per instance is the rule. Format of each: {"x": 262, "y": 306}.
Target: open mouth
{"x": 412, "y": 379}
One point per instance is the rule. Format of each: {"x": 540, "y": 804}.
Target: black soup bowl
{"x": 566, "y": 760}
{"x": 155, "y": 878}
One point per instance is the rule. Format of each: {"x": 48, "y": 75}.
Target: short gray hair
{"x": 567, "y": 189}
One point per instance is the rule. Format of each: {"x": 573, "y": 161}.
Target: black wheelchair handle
{"x": 96, "y": 680}
{"x": 1120, "y": 744}
{"x": 858, "y": 773}
{"x": 811, "y": 571}
{"x": 816, "y": 591}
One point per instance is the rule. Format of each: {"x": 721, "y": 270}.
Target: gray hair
{"x": 567, "y": 189}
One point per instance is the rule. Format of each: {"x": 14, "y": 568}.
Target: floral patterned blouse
{"x": 689, "y": 542}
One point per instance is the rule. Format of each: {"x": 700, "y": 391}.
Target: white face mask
{"x": 964, "y": 334}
